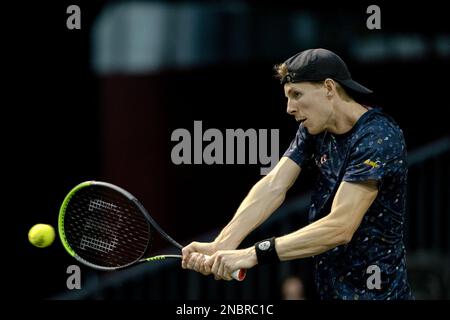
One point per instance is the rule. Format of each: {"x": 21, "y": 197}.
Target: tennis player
{"x": 357, "y": 210}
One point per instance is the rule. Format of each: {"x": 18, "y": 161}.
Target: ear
{"x": 330, "y": 87}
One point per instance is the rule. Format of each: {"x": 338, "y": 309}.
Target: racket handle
{"x": 238, "y": 275}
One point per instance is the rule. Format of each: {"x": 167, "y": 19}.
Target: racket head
{"x": 103, "y": 226}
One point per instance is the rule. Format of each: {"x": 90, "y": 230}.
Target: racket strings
{"x": 105, "y": 228}
{"x": 103, "y": 249}
{"x": 100, "y": 236}
{"x": 110, "y": 223}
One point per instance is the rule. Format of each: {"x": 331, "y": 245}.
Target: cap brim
{"x": 355, "y": 86}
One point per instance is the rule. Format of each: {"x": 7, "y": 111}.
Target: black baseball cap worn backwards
{"x": 317, "y": 65}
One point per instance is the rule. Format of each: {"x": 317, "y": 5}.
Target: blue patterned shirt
{"x": 374, "y": 149}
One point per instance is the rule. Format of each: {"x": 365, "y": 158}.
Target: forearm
{"x": 316, "y": 238}
{"x": 351, "y": 202}
{"x": 263, "y": 199}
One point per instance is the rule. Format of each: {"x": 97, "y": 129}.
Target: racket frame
{"x": 238, "y": 274}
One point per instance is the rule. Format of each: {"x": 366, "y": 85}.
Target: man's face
{"x": 308, "y": 103}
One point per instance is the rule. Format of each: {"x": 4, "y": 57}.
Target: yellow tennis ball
{"x": 41, "y": 235}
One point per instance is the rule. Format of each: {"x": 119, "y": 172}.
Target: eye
{"x": 296, "y": 94}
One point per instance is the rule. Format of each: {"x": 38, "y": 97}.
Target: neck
{"x": 344, "y": 116}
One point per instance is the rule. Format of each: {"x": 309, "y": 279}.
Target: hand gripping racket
{"x": 106, "y": 228}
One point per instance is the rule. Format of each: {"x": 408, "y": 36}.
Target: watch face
{"x": 264, "y": 245}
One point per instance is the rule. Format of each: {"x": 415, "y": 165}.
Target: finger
{"x": 223, "y": 270}
{"x": 215, "y": 266}
{"x": 227, "y": 274}
{"x": 184, "y": 261}
{"x": 220, "y": 271}
{"x": 209, "y": 262}
{"x": 199, "y": 262}
{"x": 187, "y": 260}
{"x": 186, "y": 251}
{"x": 192, "y": 260}
{"x": 205, "y": 269}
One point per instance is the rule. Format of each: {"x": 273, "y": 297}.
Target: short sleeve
{"x": 300, "y": 149}
{"x": 376, "y": 155}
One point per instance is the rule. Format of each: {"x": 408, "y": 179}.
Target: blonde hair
{"x": 281, "y": 70}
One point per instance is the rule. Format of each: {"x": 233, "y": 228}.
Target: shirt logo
{"x": 321, "y": 161}
{"x": 264, "y": 245}
{"x": 371, "y": 163}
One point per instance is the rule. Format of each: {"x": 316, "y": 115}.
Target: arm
{"x": 351, "y": 202}
{"x": 263, "y": 199}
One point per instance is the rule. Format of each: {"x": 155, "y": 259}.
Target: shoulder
{"x": 378, "y": 139}
{"x": 378, "y": 128}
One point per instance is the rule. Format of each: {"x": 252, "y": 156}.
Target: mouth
{"x": 301, "y": 120}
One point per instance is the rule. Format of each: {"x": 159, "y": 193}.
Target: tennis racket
{"x": 105, "y": 227}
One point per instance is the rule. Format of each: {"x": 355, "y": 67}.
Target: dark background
{"x": 67, "y": 122}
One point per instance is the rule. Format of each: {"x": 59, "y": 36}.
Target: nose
{"x": 290, "y": 109}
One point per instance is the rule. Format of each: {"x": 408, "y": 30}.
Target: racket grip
{"x": 238, "y": 275}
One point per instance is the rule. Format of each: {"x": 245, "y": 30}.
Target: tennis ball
{"x": 41, "y": 235}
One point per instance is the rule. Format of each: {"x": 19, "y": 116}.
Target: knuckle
{"x": 190, "y": 263}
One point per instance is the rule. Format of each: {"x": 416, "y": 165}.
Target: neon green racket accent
{"x": 155, "y": 258}
{"x": 62, "y": 212}
{"x": 162, "y": 257}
